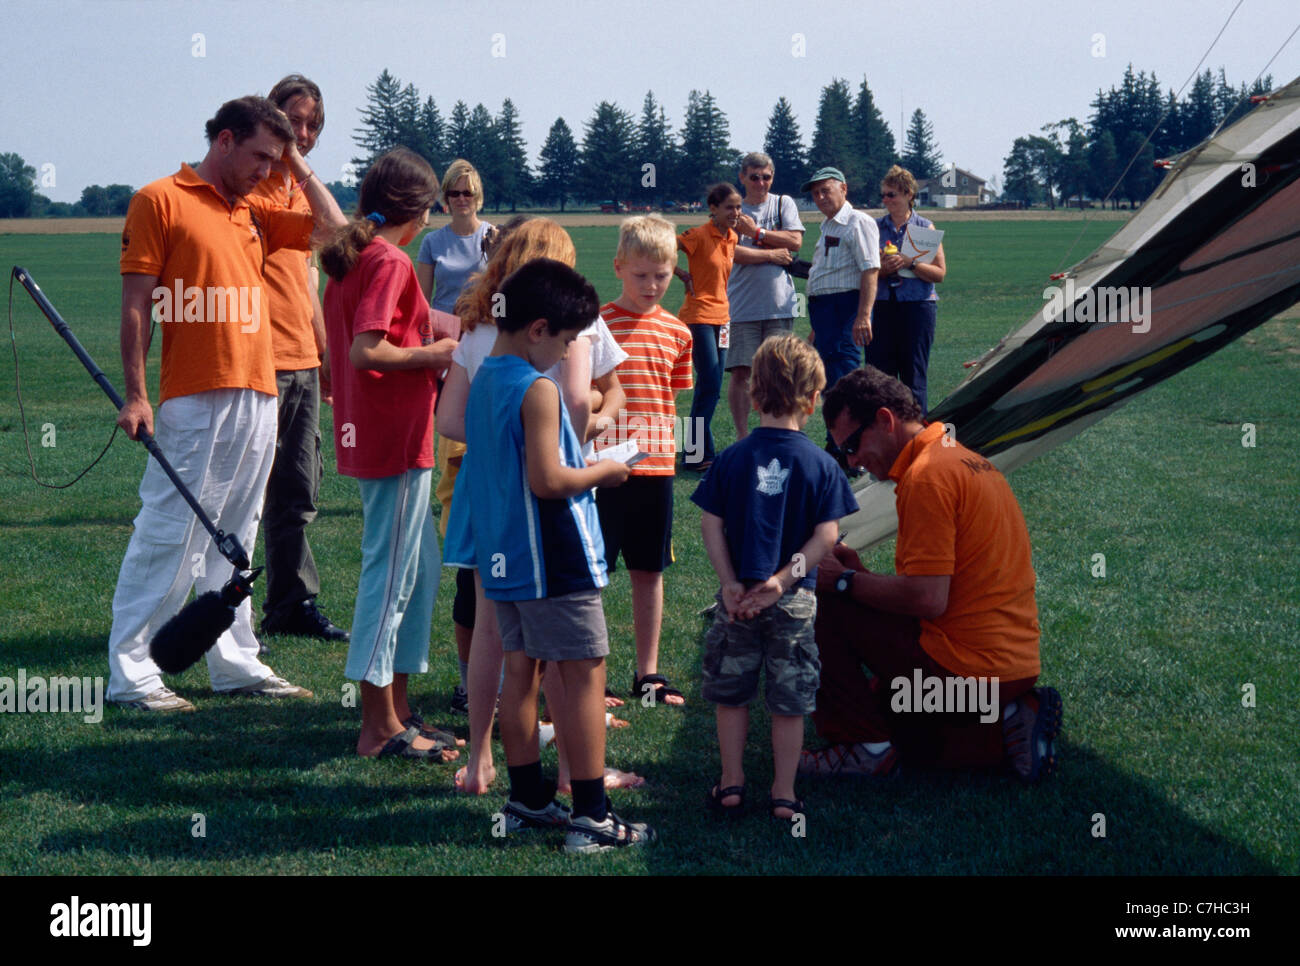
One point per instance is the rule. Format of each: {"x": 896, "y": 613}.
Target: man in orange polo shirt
{"x": 193, "y": 254}
{"x": 298, "y": 344}
{"x": 952, "y": 638}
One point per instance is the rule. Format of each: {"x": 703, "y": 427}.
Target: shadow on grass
{"x": 927, "y": 821}
{"x": 50, "y": 654}
{"x": 278, "y": 780}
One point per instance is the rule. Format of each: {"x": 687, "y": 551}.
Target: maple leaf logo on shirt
{"x": 771, "y": 478}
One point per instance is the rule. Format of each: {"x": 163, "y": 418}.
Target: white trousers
{"x": 221, "y": 444}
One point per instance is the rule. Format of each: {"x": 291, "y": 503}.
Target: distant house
{"x": 954, "y": 188}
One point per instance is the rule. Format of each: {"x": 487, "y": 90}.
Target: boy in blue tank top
{"x": 771, "y": 508}
{"x": 539, "y": 550}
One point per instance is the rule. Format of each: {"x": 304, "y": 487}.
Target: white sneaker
{"x": 520, "y": 818}
{"x": 587, "y": 835}
{"x": 272, "y": 687}
{"x": 164, "y": 699}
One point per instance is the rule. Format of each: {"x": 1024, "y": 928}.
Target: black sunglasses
{"x": 849, "y": 447}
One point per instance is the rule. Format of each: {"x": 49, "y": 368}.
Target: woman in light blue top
{"x": 904, "y": 318}
{"x": 450, "y": 255}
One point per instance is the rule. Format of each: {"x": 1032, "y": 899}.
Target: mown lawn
{"x": 1200, "y": 598}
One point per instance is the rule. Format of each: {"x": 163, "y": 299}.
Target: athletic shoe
{"x": 1028, "y": 734}
{"x": 587, "y": 835}
{"x": 853, "y": 760}
{"x": 164, "y": 699}
{"x": 521, "y": 818}
{"x": 305, "y": 620}
{"x": 459, "y": 701}
{"x": 272, "y": 687}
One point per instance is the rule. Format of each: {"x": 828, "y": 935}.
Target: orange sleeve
{"x": 686, "y": 243}
{"x": 682, "y": 375}
{"x": 283, "y": 227}
{"x": 927, "y": 530}
{"x": 144, "y": 237}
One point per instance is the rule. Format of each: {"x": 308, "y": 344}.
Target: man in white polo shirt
{"x": 842, "y": 279}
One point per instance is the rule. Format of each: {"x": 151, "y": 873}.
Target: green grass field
{"x": 1201, "y": 597}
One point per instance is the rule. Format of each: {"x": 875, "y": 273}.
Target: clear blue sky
{"x": 113, "y": 92}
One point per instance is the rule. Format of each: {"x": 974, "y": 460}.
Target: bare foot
{"x": 613, "y": 702}
{"x": 480, "y": 785}
{"x": 622, "y": 779}
{"x": 613, "y": 779}
{"x": 612, "y": 722}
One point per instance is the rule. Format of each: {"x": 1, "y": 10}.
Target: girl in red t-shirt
{"x": 383, "y": 361}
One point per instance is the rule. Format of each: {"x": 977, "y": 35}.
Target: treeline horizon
{"x": 641, "y": 160}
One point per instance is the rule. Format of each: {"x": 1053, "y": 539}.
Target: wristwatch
{"x": 844, "y": 585}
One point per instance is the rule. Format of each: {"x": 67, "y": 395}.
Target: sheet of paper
{"x": 921, "y": 244}
{"x": 624, "y": 452}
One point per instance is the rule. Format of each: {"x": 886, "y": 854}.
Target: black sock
{"x": 526, "y": 785}
{"x": 589, "y": 799}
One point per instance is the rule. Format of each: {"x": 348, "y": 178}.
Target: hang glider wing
{"x": 1214, "y": 252}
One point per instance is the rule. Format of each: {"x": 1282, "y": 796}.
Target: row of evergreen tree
{"x": 1069, "y": 162}
{"x": 639, "y": 159}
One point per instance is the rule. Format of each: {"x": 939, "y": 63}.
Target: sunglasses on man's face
{"x": 850, "y": 446}
{"x": 760, "y": 177}
{"x": 459, "y": 194}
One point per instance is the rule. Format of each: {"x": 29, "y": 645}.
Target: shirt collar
{"x": 187, "y": 177}
{"x": 842, "y": 216}
{"x": 926, "y": 437}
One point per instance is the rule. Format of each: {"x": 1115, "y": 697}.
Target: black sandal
{"x": 430, "y": 732}
{"x": 713, "y": 800}
{"x": 660, "y": 686}
{"x": 794, "y": 805}
{"x": 399, "y": 746}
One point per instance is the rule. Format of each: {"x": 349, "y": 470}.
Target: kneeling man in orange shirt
{"x": 952, "y": 638}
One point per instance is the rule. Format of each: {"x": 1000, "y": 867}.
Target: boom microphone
{"x": 187, "y": 636}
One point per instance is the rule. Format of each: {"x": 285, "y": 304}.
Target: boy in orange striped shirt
{"x": 637, "y": 517}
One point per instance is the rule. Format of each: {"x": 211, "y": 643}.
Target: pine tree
{"x": 921, "y": 155}
{"x": 380, "y": 129}
{"x": 706, "y": 153}
{"x": 559, "y": 163}
{"x": 408, "y": 120}
{"x": 487, "y": 154}
{"x": 431, "y": 136}
{"x": 875, "y": 141}
{"x": 1103, "y": 167}
{"x": 655, "y": 146}
{"x": 607, "y": 169}
{"x": 516, "y": 179}
{"x": 835, "y": 143}
{"x": 458, "y": 143}
{"x": 784, "y": 145}
{"x": 1020, "y": 180}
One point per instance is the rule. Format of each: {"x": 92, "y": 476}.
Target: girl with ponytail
{"x": 384, "y": 362}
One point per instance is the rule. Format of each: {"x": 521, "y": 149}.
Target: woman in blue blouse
{"x": 902, "y": 324}
{"x": 450, "y": 255}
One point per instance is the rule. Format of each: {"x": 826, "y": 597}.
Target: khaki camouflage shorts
{"x": 780, "y": 639}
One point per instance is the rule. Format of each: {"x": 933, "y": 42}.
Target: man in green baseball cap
{"x": 842, "y": 279}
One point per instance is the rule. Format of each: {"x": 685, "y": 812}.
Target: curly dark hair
{"x": 863, "y": 392}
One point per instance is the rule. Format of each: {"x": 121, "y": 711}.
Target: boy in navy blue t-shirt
{"x": 772, "y": 504}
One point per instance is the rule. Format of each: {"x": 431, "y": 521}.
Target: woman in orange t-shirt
{"x": 710, "y": 250}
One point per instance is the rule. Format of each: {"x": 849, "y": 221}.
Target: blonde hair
{"x": 785, "y": 374}
{"x": 650, "y": 236}
{"x": 899, "y": 177}
{"x": 535, "y": 238}
{"x": 460, "y": 168}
